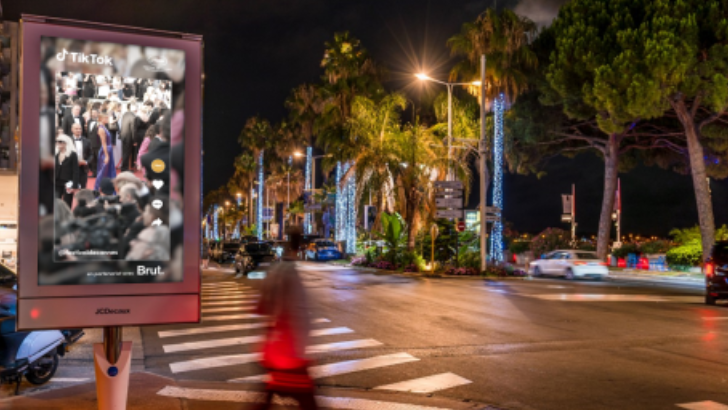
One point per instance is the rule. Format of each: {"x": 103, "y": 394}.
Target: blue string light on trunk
{"x": 307, "y": 191}
{"x": 496, "y": 238}
{"x": 350, "y": 226}
{"x": 259, "y": 211}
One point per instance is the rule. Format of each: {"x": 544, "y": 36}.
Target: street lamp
{"x": 449, "y": 85}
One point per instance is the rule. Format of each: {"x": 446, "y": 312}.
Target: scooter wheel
{"x": 43, "y": 370}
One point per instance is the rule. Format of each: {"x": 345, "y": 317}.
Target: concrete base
{"x": 112, "y": 387}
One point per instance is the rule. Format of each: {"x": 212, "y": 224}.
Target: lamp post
{"x": 449, "y": 85}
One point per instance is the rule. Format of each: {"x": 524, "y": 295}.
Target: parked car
{"x": 215, "y": 249}
{"x": 227, "y": 251}
{"x": 571, "y": 264}
{"x": 716, "y": 273}
{"x": 243, "y": 261}
{"x": 322, "y": 250}
{"x": 260, "y": 252}
{"x": 248, "y": 238}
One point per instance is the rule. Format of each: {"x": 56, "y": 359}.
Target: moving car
{"x": 716, "y": 273}
{"x": 571, "y": 264}
{"x": 227, "y": 251}
{"x": 260, "y": 252}
{"x": 322, "y": 250}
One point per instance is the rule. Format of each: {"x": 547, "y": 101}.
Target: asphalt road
{"x": 514, "y": 344}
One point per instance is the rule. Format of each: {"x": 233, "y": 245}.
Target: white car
{"x": 571, "y": 264}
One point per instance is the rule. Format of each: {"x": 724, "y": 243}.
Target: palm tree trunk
{"x": 611, "y": 163}
{"x": 700, "y": 177}
{"x": 410, "y": 218}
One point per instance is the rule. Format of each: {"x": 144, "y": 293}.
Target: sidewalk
{"x": 148, "y": 391}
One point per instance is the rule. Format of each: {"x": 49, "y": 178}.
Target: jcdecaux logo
{"x": 107, "y": 311}
{"x": 84, "y": 58}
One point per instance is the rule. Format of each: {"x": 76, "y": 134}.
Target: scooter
{"x": 33, "y": 354}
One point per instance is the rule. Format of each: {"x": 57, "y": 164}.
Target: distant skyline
{"x": 256, "y": 51}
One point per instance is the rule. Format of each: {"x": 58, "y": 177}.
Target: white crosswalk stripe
{"x": 349, "y": 366}
{"x": 429, "y": 384}
{"x": 230, "y": 302}
{"x": 205, "y": 298}
{"x": 229, "y": 293}
{"x": 229, "y": 309}
{"x": 232, "y": 317}
{"x": 217, "y": 329}
{"x": 237, "y": 341}
{"x": 703, "y": 405}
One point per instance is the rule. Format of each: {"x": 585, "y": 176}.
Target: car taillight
{"x": 709, "y": 269}
{"x": 579, "y": 263}
{"x": 604, "y": 263}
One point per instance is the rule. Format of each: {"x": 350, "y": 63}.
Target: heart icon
{"x": 158, "y": 183}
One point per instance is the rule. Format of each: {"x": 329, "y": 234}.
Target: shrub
{"x": 469, "y": 259}
{"x": 518, "y": 247}
{"x": 549, "y": 240}
{"x": 411, "y": 268}
{"x": 685, "y": 255}
{"x": 625, "y": 250}
{"x": 359, "y": 261}
{"x": 652, "y": 247}
{"x": 386, "y": 265}
{"x": 462, "y": 271}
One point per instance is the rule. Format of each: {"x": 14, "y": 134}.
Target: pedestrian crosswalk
{"x": 229, "y": 321}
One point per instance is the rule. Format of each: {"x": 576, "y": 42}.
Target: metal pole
{"x": 449, "y": 131}
{"x": 573, "y": 214}
{"x": 112, "y": 343}
{"x": 619, "y": 210}
{"x": 483, "y": 173}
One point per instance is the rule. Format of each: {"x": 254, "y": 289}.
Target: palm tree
{"x": 504, "y": 38}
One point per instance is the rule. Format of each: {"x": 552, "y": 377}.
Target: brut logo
{"x": 84, "y": 58}
{"x": 107, "y": 311}
{"x": 144, "y": 271}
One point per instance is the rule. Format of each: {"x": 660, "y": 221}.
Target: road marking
{"x": 236, "y": 341}
{"x": 352, "y": 344}
{"x": 428, "y": 384}
{"x": 209, "y": 329}
{"x": 213, "y": 362}
{"x": 237, "y": 396}
{"x": 703, "y": 405}
{"x": 227, "y": 292}
{"x": 217, "y": 329}
{"x": 557, "y": 287}
{"x": 70, "y": 379}
{"x": 229, "y": 309}
{"x": 583, "y": 297}
{"x": 232, "y": 317}
{"x": 230, "y": 302}
{"x": 229, "y": 297}
{"x": 349, "y": 366}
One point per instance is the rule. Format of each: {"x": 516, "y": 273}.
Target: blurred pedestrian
{"x": 205, "y": 255}
{"x": 284, "y": 351}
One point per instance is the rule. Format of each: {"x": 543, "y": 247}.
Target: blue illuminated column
{"x": 339, "y": 232}
{"x": 308, "y": 190}
{"x": 350, "y": 223}
{"x": 496, "y": 238}
{"x": 214, "y": 218}
{"x": 259, "y": 210}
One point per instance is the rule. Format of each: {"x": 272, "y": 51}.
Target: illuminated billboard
{"x": 110, "y": 175}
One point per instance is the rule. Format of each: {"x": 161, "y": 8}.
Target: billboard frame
{"x": 73, "y": 306}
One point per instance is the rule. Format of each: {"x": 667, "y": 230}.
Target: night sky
{"x": 256, "y": 51}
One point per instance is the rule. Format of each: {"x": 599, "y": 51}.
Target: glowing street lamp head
{"x": 298, "y": 154}
{"x": 422, "y": 76}
{"x": 476, "y": 83}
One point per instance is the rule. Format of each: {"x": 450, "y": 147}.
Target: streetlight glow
{"x": 422, "y": 76}
{"x": 298, "y": 154}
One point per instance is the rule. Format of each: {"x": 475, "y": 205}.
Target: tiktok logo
{"x": 85, "y": 58}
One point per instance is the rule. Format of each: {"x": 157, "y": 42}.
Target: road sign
{"x": 451, "y": 194}
{"x": 492, "y": 218}
{"x": 449, "y": 184}
{"x": 492, "y": 210}
{"x": 449, "y": 202}
{"x": 457, "y": 214}
{"x": 461, "y": 226}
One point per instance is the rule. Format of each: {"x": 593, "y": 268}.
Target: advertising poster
{"x": 115, "y": 215}
{"x": 110, "y": 182}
